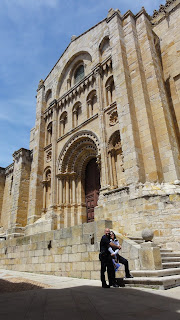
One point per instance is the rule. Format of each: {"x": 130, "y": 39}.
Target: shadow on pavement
{"x": 88, "y": 302}
{"x": 17, "y": 285}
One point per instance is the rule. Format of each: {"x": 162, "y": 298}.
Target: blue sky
{"x": 33, "y": 34}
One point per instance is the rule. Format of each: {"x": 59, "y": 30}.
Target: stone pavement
{"x": 47, "y": 297}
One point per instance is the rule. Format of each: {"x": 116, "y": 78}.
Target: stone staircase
{"x": 167, "y": 277}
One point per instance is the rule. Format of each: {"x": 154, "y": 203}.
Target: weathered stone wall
{"x": 7, "y": 198}
{"x": 132, "y": 132}
{"x": 154, "y": 206}
{"x": 72, "y": 252}
{"x": 2, "y": 184}
{"x": 166, "y": 26}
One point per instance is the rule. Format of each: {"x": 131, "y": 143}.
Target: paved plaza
{"x": 44, "y": 297}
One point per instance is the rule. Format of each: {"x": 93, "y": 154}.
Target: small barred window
{"x": 79, "y": 74}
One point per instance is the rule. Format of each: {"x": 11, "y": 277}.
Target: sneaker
{"x": 105, "y": 285}
{"x": 115, "y": 285}
{"x": 129, "y": 276}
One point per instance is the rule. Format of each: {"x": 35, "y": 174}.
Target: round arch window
{"x": 79, "y": 74}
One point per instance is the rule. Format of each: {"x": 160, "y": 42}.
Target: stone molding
{"x": 9, "y": 169}
{"x": 164, "y": 10}
{"x": 71, "y": 94}
{"x": 86, "y": 82}
{"x": 77, "y": 128}
{"x": 40, "y": 85}
{"x": 22, "y": 153}
{"x": 75, "y": 138}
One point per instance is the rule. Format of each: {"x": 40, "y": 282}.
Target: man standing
{"x": 106, "y": 260}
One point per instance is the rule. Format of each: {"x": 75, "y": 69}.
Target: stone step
{"x": 153, "y": 282}
{"x": 171, "y": 259}
{"x": 166, "y": 250}
{"x": 170, "y": 254}
{"x": 156, "y": 273}
{"x": 167, "y": 265}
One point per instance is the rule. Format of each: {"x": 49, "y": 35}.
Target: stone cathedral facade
{"x": 105, "y": 148}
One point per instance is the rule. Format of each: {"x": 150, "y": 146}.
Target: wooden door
{"x": 92, "y": 186}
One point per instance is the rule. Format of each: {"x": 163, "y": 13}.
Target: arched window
{"x": 104, "y": 48}
{"x": 47, "y": 188}
{"x": 48, "y": 95}
{"x": 49, "y": 133}
{"x": 79, "y": 74}
{"x": 116, "y": 163}
{"x": 110, "y": 91}
{"x": 62, "y": 123}
{"x": 91, "y": 103}
{"x": 76, "y": 114}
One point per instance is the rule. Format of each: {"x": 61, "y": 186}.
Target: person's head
{"x": 112, "y": 235}
{"x": 107, "y": 232}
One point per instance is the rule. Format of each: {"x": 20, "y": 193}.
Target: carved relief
{"x": 49, "y": 156}
{"x": 113, "y": 118}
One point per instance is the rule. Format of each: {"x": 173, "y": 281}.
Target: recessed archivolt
{"x": 103, "y": 42}
{"x": 47, "y": 173}
{"x": 114, "y": 140}
{"x": 67, "y": 72}
{"x": 48, "y": 95}
{"x": 109, "y": 81}
{"x": 91, "y": 94}
{"x": 83, "y": 145}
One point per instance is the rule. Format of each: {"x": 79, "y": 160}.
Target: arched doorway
{"x": 92, "y": 186}
{"x": 76, "y": 154}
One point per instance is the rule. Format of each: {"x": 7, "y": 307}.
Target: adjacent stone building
{"x": 105, "y": 149}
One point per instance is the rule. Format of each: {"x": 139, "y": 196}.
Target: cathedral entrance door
{"x": 92, "y": 186}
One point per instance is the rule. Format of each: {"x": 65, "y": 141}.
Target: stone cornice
{"x": 164, "y": 11}
{"x": 40, "y": 85}
{"x": 49, "y": 111}
{"x": 22, "y": 152}
{"x": 86, "y": 81}
{"x": 49, "y": 146}
{"x": 142, "y": 11}
{"x": 124, "y": 188}
{"x": 78, "y": 127}
{"x": 9, "y": 169}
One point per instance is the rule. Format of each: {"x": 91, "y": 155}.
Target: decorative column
{"x": 74, "y": 188}
{"x": 108, "y": 89}
{"x": 60, "y": 200}
{"x": 110, "y": 170}
{"x": 67, "y": 215}
{"x": 61, "y": 128}
{"x": 68, "y": 84}
{"x": 90, "y": 113}
{"x": 67, "y": 190}
{"x": 44, "y": 194}
{"x": 74, "y": 205}
{"x": 60, "y": 191}
{"x": 114, "y": 168}
{"x": 75, "y": 118}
